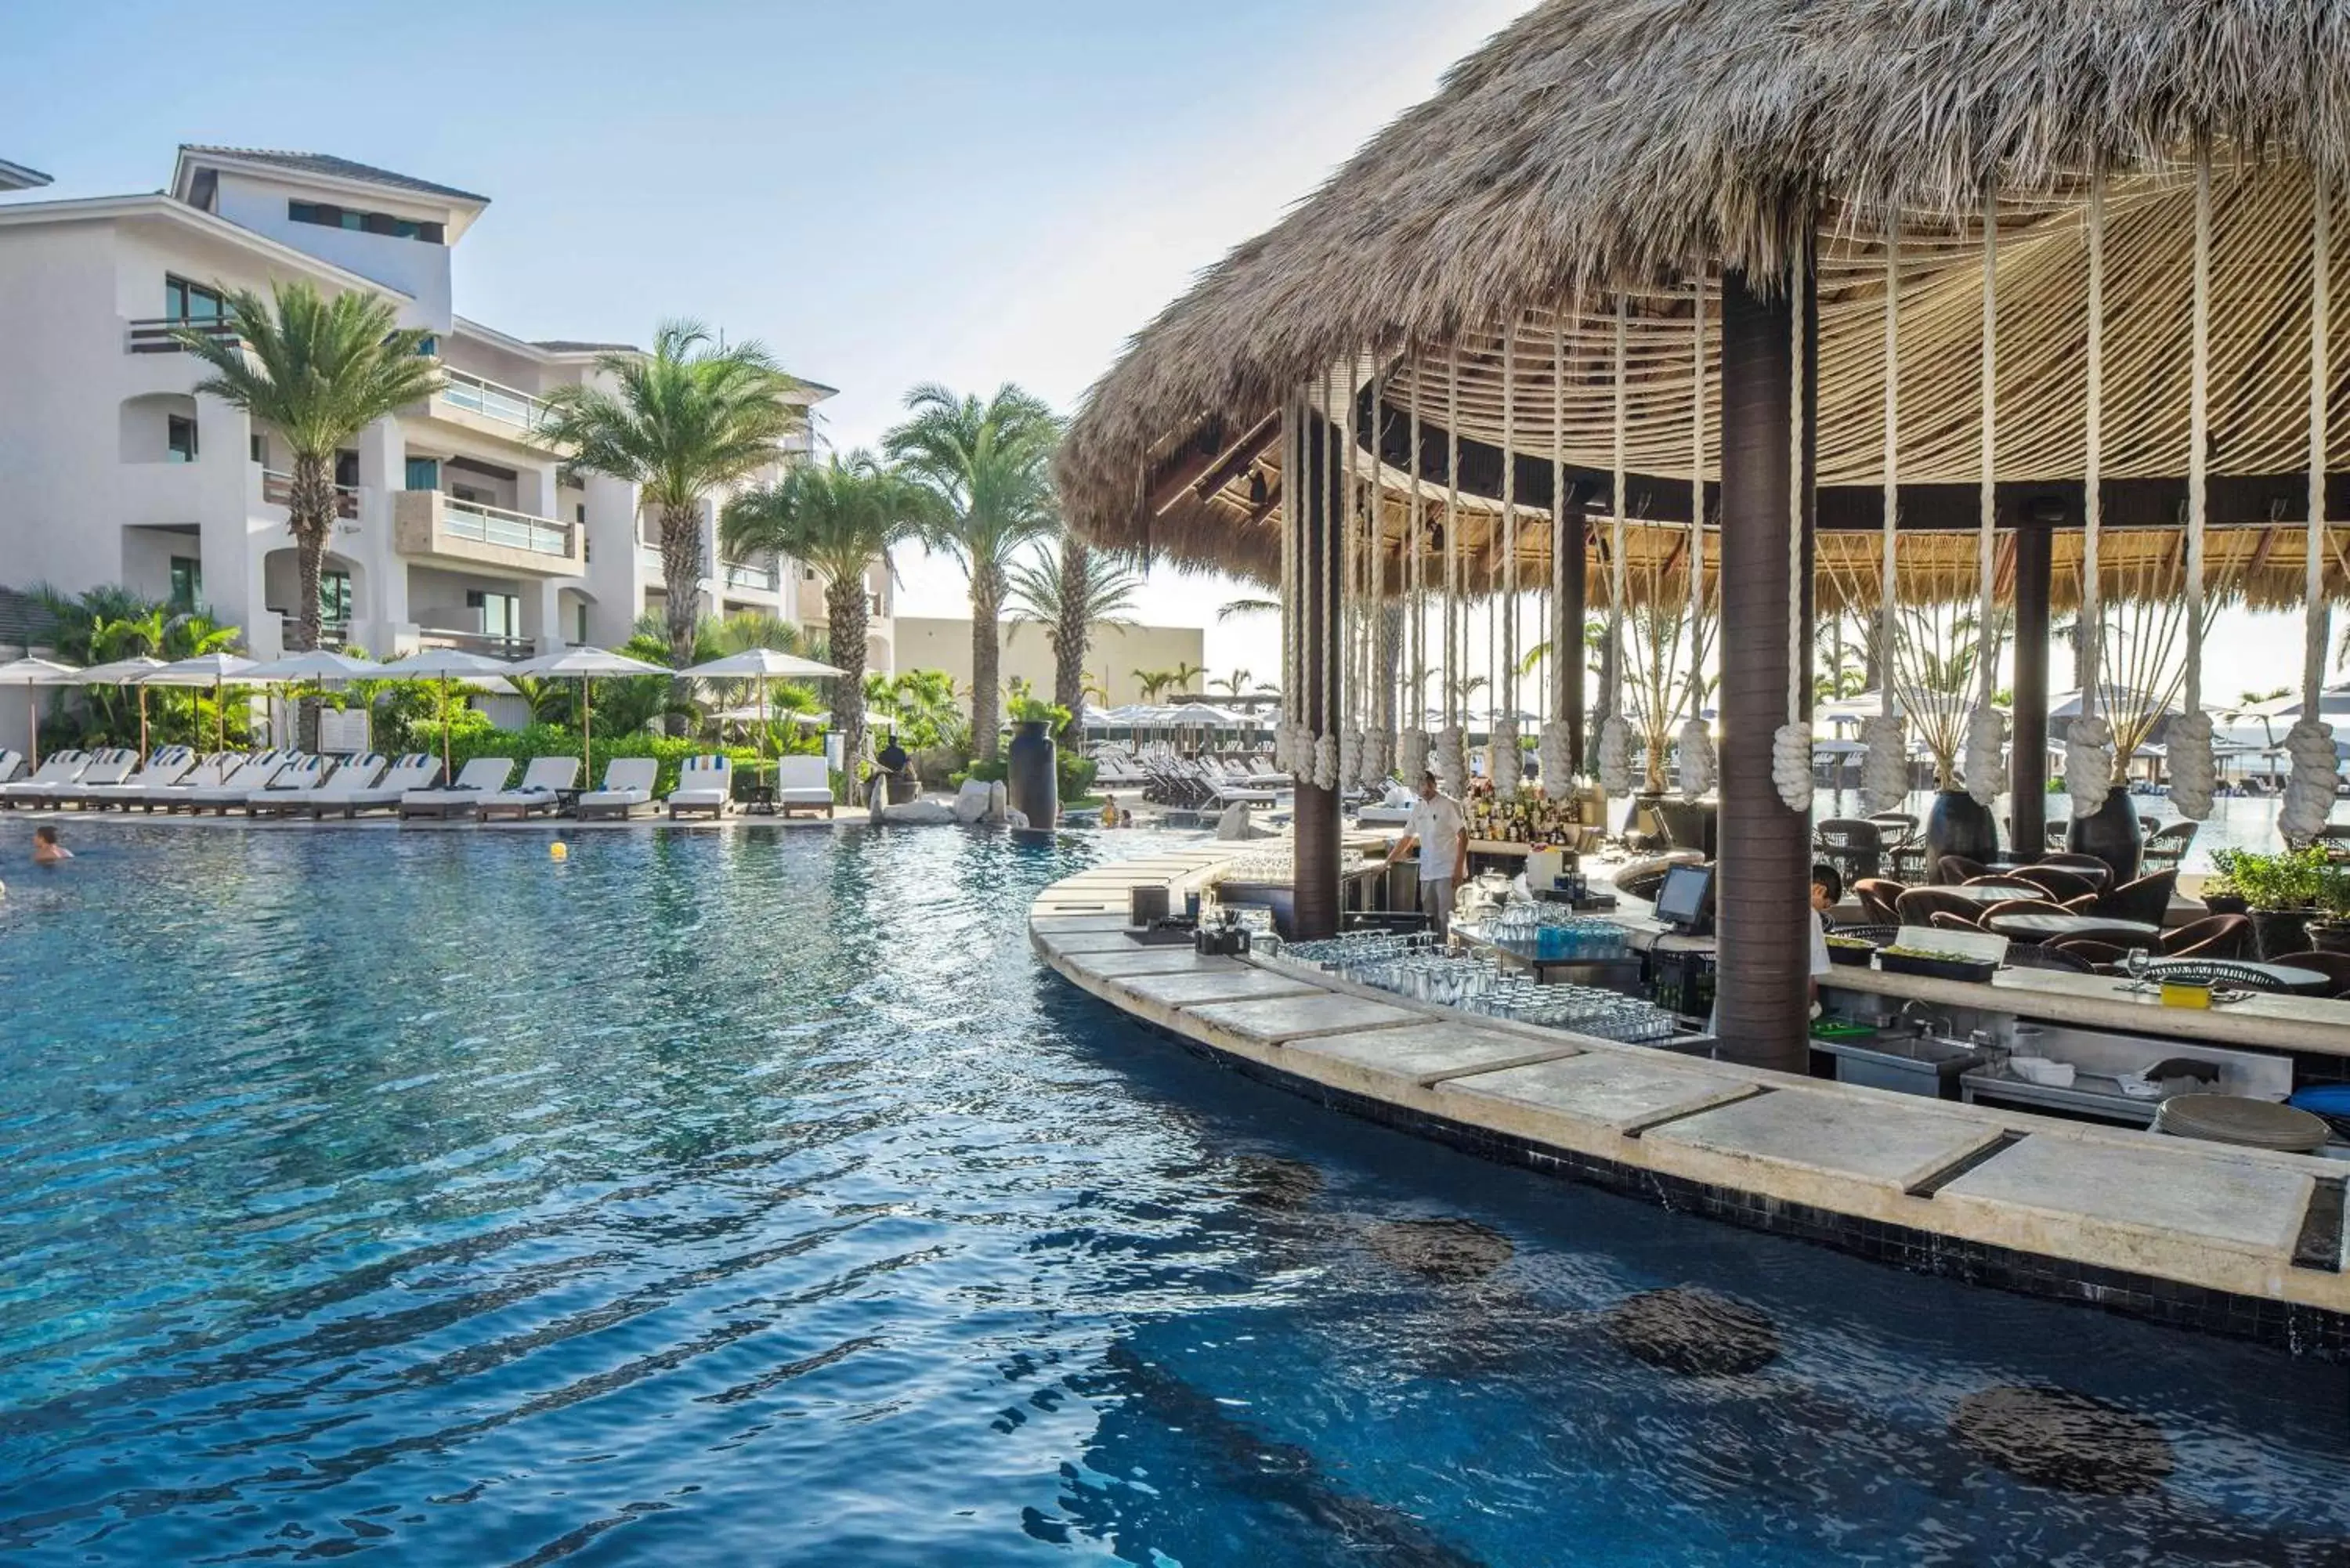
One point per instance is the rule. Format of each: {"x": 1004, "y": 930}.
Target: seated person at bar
{"x": 1828, "y": 892}
{"x": 1436, "y": 826}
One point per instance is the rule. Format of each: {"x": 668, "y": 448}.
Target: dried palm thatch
{"x": 1630, "y": 148}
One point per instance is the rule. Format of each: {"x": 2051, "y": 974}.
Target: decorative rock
{"x": 1453, "y": 1251}
{"x": 1694, "y": 1332}
{"x": 2056, "y": 1438}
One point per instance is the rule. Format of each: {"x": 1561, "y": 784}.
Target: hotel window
{"x": 187, "y": 582}
{"x": 326, "y": 214}
{"x": 346, "y": 469}
{"x": 185, "y": 301}
{"x": 580, "y": 625}
{"x": 261, "y": 448}
{"x": 179, "y": 439}
{"x": 335, "y": 597}
{"x": 423, "y": 474}
{"x": 500, "y": 613}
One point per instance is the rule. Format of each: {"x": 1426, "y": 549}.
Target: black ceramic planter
{"x": 2226, "y": 903}
{"x": 1957, "y": 825}
{"x": 2113, "y": 835}
{"x": 1032, "y": 776}
{"x": 2329, "y": 936}
{"x": 2280, "y": 931}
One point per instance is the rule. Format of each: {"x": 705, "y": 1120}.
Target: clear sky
{"x": 886, "y": 191}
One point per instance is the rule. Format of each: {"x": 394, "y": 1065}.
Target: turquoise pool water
{"x": 757, "y": 1200}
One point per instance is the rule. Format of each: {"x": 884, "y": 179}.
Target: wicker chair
{"x": 2213, "y": 937}
{"x": 2061, "y": 883}
{"x": 2147, "y": 899}
{"x": 1918, "y": 906}
{"x": 1854, "y": 847}
{"x": 1877, "y": 896}
{"x": 1953, "y": 870}
{"x": 2089, "y": 949}
{"x": 2166, "y": 847}
{"x": 2088, "y": 865}
{"x": 2334, "y": 967}
{"x": 2048, "y": 956}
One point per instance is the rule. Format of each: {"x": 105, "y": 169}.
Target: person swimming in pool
{"x": 46, "y": 850}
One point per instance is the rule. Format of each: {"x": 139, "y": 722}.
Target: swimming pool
{"x": 756, "y": 1199}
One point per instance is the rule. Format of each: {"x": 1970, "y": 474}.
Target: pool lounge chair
{"x": 628, "y": 784}
{"x": 357, "y": 788}
{"x": 11, "y": 765}
{"x": 211, "y": 769}
{"x": 536, "y": 792}
{"x": 231, "y": 791}
{"x": 802, "y": 784}
{"x": 282, "y": 794}
{"x": 477, "y": 780}
{"x": 103, "y": 767}
{"x": 704, "y": 784}
{"x": 62, "y": 768}
{"x": 166, "y": 765}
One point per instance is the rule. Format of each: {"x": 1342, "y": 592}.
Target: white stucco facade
{"x": 457, "y": 526}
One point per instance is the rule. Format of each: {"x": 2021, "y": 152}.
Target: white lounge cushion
{"x": 628, "y": 781}
{"x": 540, "y": 781}
{"x": 482, "y": 777}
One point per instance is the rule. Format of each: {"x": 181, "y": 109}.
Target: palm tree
{"x": 320, "y": 372}
{"x": 1231, "y": 608}
{"x": 1183, "y": 675}
{"x": 1235, "y": 684}
{"x": 688, "y": 419}
{"x": 839, "y": 519}
{"x": 1084, "y": 589}
{"x": 1154, "y": 682}
{"x": 991, "y": 466}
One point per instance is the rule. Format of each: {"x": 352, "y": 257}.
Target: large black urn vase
{"x": 1959, "y": 825}
{"x": 2113, "y": 835}
{"x": 1032, "y": 774}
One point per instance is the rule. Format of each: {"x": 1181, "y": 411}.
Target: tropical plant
{"x": 840, "y": 519}
{"x": 318, "y": 372}
{"x": 1231, "y": 608}
{"x": 1235, "y": 684}
{"x": 923, "y": 704}
{"x": 1084, "y": 589}
{"x": 1184, "y": 673}
{"x": 686, "y": 420}
{"x": 1023, "y": 706}
{"x": 990, "y": 465}
{"x": 1936, "y": 678}
{"x": 109, "y": 622}
{"x": 1153, "y": 682}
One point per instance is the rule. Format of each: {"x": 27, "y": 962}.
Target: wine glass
{"x": 2134, "y": 964}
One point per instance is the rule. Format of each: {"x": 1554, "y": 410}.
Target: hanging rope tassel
{"x": 2089, "y": 741}
{"x": 1556, "y": 747}
{"x": 1884, "y": 770}
{"x": 1615, "y": 734}
{"x": 2309, "y": 794}
{"x": 1790, "y": 746}
{"x": 1503, "y": 763}
{"x": 1986, "y": 766}
{"x": 2194, "y": 771}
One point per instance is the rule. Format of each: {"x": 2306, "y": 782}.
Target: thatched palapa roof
{"x": 1594, "y": 153}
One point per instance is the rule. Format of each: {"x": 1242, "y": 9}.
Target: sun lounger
{"x": 477, "y": 780}
{"x": 704, "y": 784}
{"x": 11, "y": 765}
{"x": 213, "y": 769}
{"x": 167, "y": 765}
{"x": 628, "y": 784}
{"x": 537, "y": 791}
{"x": 286, "y": 793}
{"x": 355, "y": 789}
{"x": 104, "y": 767}
{"x": 802, "y": 784}
{"x": 231, "y": 791}
{"x": 62, "y": 768}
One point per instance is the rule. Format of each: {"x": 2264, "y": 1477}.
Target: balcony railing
{"x": 509, "y": 530}
{"x": 488, "y": 645}
{"x": 277, "y": 489}
{"x": 765, "y": 580}
{"x": 331, "y": 633}
{"x": 492, "y": 401}
{"x": 153, "y": 334}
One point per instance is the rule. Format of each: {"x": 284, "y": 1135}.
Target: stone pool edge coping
{"x": 2295, "y": 1296}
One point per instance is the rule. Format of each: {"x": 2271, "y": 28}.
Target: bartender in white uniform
{"x": 1436, "y": 826}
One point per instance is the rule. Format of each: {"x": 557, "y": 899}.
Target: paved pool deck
{"x": 2232, "y": 1241}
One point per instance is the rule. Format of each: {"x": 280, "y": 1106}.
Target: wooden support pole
{"x": 1315, "y": 860}
{"x": 1765, "y": 867}
{"x": 2028, "y": 767}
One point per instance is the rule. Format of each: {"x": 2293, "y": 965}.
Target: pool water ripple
{"x": 760, "y": 1199}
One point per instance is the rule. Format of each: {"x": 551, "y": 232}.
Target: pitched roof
{"x": 335, "y": 167}
{"x": 568, "y": 346}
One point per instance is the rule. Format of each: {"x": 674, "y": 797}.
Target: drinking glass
{"x": 2134, "y": 964}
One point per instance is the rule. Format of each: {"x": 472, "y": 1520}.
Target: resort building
{"x": 458, "y": 528}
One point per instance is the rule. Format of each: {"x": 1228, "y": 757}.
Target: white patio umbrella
{"x": 763, "y": 664}
{"x": 583, "y": 664}
{"x": 214, "y": 670}
{"x": 316, "y": 666}
{"x": 131, "y": 671}
{"x": 29, "y": 673}
{"x": 444, "y": 665}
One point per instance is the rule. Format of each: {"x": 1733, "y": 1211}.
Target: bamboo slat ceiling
{"x": 1593, "y": 149}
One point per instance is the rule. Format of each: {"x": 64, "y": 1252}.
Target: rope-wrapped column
{"x": 2194, "y": 771}
{"x": 1452, "y": 741}
{"x": 1986, "y": 767}
{"x": 1503, "y": 764}
{"x": 1884, "y": 770}
{"x": 1319, "y": 830}
{"x": 1697, "y": 739}
{"x": 1562, "y": 740}
{"x": 1287, "y": 755}
{"x": 1615, "y": 734}
{"x": 1379, "y": 734}
{"x": 1351, "y": 722}
{"x": 2317, "y": 768}
{"x": 1413, "y": 744}
{"x": 1790, "y": 746}
{"x": 2089, "y": 741}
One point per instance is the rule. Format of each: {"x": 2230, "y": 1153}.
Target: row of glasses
{"x": 1411, "y": 965}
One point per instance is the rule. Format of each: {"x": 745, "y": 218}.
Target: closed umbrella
{"x": 444, "y": 665}
{"x": 584, "y": 664}
{"x": 760, "y": 664}
{"x": 214, "y": 670}
{"x": 29, "y": 673}
{"x": 131, "y": 671}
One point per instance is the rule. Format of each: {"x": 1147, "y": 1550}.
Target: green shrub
{"x": 475, "y": 736}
